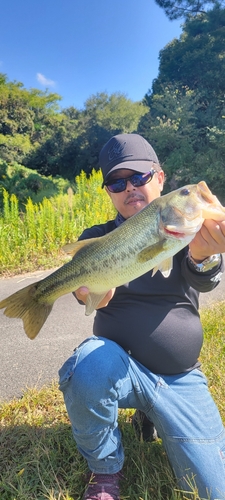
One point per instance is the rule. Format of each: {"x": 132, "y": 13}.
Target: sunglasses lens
{"x": 117, "y": 186}
{"x": 141, "y": 179}
{"x": 136, "y": 180}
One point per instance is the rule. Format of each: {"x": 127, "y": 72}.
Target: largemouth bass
{"x": 146, "y": 241}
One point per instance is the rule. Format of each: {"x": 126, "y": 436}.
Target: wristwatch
{"x": 207, "y": 264}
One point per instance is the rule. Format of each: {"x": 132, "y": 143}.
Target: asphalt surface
{"x": 33, "y": 363}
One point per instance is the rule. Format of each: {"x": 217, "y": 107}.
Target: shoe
{"x": 103, "y": 487}
{"x": 143, "y": 427}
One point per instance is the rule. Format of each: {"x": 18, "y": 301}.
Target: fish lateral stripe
{"x": 165, "y": 226}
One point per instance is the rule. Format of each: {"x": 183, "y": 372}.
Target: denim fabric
{"x": 101, "y": 377}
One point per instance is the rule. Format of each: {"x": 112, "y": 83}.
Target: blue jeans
{"x": 101, "y": 377}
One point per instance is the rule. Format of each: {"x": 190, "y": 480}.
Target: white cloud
{"x": 45, "y": 81}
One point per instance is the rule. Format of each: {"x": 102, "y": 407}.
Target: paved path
{"x": 28, "y": 363}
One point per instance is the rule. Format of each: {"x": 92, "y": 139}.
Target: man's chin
{"x": 133, "y": 208}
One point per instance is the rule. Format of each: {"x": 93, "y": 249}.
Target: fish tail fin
{"x": 23, "y": 304}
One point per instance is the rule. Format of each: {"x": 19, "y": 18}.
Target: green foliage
{"x": 34, "y": 133}
{"x": 114, "y": 113}
{"x": 104, "y": 116}
{"x": 39, "y": 458}
{"x": 196, "y": 59}
{"x": 170, "y": 127}
{"x": 176, "y": 9}
{"x": 182, "y": 115}
{"x": 34, "y": 238}
{"x": 73, "y": 144}
{"x": 21, "y": 112}
{"x": 24, "y": 183}
{"x": 185, "y": 122}
{"x": 14, "y": 147}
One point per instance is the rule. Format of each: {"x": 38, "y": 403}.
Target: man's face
{"x": 133, "y": 199}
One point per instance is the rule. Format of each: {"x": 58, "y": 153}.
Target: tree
{"x": 103, "y": 115}
{"x": 22, "y": 114}
{"x": 194, "y": 65}
{"x": 170, "y": 126}
{"x": 186, "y": 104}
{"x": 175, "y": 9}
{"x": 186, "y": 153}
{"x": 35, "y": 133}
{"x": 114, "y": 112}
{"x": 196, "y": 59}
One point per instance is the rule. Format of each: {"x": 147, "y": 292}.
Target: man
{"x": 146, "y": 343}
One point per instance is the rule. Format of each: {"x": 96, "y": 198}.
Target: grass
{"x": 39, "y": 459}
{"x": 34, "y": 238}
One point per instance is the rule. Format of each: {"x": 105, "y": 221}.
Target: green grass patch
{"x": 34, "y": 238}
{"x": 39, "y": 459}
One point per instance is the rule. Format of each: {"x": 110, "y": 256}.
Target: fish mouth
{"x": 177, "y": 234}
{"x": 181, "y": 231}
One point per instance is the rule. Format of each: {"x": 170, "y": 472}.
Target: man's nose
{"x": 130, "y": 186}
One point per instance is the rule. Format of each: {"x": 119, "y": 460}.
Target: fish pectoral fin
{"x": 164, "y": 267}
{"x": 73, "y": 248}
{"x": 151, "y": 251}
{"x": 93, "y": 299}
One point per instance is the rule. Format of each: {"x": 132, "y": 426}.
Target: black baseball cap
{"x": 129, "y": 151}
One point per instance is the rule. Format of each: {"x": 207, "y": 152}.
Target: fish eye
{"x": 185, "y": 192}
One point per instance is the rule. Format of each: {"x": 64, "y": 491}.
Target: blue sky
{"x": 77, "y": 48}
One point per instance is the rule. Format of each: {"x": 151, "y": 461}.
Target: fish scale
{"x": 147, "y": 241}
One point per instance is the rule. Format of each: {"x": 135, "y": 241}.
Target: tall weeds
{"x": 34, "y": 238}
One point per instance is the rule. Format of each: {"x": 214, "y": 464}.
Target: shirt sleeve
{"x": 202, "y": 282}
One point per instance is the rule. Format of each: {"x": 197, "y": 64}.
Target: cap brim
{"x": 137, "y": 166}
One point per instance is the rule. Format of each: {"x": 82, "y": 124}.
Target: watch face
{"x": 207, "y": 264}
{"x": 211, "y": 262}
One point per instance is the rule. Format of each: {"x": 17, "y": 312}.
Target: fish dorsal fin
{"x": 93, "y": 299}
{"x": 164, "y": 267}
{"x": 72, "y": 248}
{"x": 150, "y": 252}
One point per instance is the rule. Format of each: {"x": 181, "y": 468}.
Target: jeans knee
{"x": 89, "y": 399}
{"x": 100, "y": 361}
{"x": 90, "y": 377}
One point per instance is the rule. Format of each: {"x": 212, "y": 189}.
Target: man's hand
{"x": 83, "y": 292}
{"x": 209, "y": 240}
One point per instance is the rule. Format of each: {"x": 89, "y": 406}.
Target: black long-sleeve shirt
{"x": 156, "y": 319}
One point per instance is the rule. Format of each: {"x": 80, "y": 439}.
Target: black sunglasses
{"x": 137, "y": 180}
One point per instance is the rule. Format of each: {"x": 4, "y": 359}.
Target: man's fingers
{"x": 82, "y": 293}
{"x": 83, "y": 290}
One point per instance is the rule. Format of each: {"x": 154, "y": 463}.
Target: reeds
{"x": 34, "y": 238}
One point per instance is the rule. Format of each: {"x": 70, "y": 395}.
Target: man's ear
{"x": 161, "y": 179}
